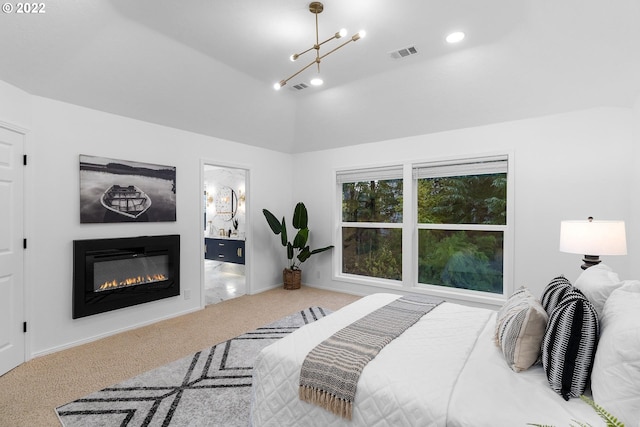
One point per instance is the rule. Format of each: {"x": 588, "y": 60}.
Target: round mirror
{"x": 226, "y": 203}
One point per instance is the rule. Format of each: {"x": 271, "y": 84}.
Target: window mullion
{"x": 409, "y": 232}
{"x": 473, "y": 227}
{"x": 371, "y": 224}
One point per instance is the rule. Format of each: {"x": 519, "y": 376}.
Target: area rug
{"x": 210, "y": 388}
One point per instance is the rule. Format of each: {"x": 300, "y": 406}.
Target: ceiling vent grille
{"x": 404, "y": 52}
{"x": 299, "y": 86}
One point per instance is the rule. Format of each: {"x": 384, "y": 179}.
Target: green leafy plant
{"x": 297, "y": 250}
{"x": 606, "y": 416}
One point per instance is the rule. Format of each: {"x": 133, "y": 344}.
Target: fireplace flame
{"x": 131, "y": 281}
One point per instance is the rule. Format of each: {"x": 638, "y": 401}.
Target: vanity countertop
{"x": 225, "y": 237}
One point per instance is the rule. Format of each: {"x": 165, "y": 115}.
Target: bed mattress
{"x": 443, "y": 371}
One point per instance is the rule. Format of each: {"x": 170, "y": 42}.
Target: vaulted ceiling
{"x": 208, "y": 66}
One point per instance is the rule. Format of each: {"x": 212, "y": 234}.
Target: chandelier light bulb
{"x": 341, "y": 33}
{"x": 294, "y": 57}
{"x": 359, "y": 35}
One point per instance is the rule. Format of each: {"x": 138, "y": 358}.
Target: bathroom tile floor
{"x": 223, "y": 281}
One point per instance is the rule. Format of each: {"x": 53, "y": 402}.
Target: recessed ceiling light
{"x": 456, "y": 37}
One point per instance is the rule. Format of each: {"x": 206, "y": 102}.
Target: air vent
{"x": 403, "y": 53}
{"x": 299, "y": 86}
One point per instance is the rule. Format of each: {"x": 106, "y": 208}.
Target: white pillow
{"x": 597, "y": 283}
{"x": 615, "y": 380}
{"x": 520, "y": 326}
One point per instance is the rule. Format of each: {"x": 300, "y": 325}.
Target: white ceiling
{"x": 208, "y": 66}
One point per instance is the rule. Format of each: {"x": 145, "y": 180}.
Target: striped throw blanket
{"x": 330, "y": 372}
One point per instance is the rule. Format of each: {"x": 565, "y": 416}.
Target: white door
{"x": 12, "y": 345}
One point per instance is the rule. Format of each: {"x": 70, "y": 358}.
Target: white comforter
{"x": 443, "y": 371}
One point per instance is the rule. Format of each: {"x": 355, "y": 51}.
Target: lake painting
{"x": 126, "y": 191}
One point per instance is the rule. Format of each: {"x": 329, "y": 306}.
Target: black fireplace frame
{"x": 87, "y": 301}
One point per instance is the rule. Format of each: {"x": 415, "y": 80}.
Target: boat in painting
{"x": 128, "y": 200}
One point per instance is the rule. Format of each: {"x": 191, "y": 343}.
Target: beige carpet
{"x": 30, "y": 393}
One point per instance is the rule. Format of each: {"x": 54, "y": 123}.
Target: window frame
{"x": 410, "y": 229}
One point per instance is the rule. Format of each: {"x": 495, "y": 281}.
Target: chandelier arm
{"x": 302, "y": 53}
{"x": 333, "y": 50}
{"x": 328, "y": 40}
{"x": 317, "y": 32}
{"x": 319, "y": 44}
{"x": 301, "y": 70}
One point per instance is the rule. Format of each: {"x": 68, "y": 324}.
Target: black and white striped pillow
{"x": 554, "y": 292}
{"x": 569, "y": 345}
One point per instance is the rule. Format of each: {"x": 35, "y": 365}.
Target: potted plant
{"x": 297, "y": 251}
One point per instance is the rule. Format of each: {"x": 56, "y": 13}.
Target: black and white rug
{"x": 210, "y": 388}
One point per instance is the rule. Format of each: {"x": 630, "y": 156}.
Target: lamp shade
{"x": 591, "y": 237}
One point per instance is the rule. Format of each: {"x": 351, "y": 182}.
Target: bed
{"x": 445, "y": 370}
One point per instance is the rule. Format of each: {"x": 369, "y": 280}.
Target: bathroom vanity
{"x": 224, "y": 249}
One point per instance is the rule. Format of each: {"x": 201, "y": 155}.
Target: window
{"x": 462, "y": 220}
{"x": 371, "y": 222}
{"x": 450, "y": 233}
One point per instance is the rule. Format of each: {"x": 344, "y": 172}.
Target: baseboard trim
{"x": 67, "y": 346}
{"x": 264, "y": 289}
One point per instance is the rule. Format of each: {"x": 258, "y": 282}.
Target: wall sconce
{"x": 593, "y": 238}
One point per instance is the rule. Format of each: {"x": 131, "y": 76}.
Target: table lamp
{"x": 593, "y": 238}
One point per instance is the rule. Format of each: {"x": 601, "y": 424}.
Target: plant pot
{"x": 291, "y": 278}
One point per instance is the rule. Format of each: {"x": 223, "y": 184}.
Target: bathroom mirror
{"x": 226, "y": 203}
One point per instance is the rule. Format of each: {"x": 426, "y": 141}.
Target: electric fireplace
{"x": 109, "y": 274}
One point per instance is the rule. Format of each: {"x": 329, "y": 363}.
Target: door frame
{"x": 26, "y": 225}
{"x": 248, "y": 220}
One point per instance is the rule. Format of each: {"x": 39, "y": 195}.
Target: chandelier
{"x": 316, "y": 8}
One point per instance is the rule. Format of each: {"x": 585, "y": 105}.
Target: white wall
{"x": 59, "y": 134}
{"x": 633, "y": 227}
{"x": 15, "y": 106}
{"x": 567, "y": 166}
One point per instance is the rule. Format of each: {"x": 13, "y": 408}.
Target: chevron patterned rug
{"x": 210, "y": 388}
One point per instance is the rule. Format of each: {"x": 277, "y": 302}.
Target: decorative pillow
{"x": 521, "y": 294}
{"x": 569, "y": 345}
{"x": 554, "y": 292}
{"x": 615, "y": 380}
{"x": 597, "y": 283}
{"x": 520, "y": 326}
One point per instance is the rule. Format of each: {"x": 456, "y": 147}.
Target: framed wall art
{"x": 126, "y": 191}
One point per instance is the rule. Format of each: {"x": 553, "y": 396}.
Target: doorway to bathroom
{"x": 224, "y": 227}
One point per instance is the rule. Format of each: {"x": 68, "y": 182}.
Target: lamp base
{"x": 590, "y": 261}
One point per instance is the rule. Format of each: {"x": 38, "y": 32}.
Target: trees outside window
{"x": 461, "y": 220}
{"x": 371, "y": 226}
{"x": 457, "y": 232}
